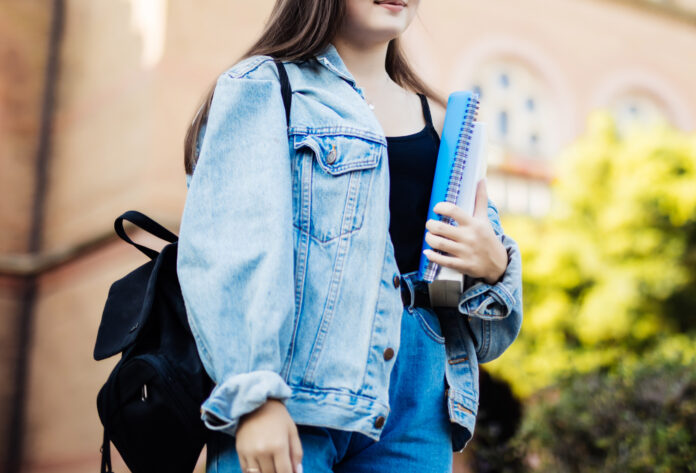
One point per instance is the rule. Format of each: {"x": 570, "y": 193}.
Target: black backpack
{"x": 150, "y": 404}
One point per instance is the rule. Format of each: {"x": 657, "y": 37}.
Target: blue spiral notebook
{"x": 460, "y": 165}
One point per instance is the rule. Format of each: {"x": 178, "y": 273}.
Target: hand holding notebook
{"x": 461, "y": 164}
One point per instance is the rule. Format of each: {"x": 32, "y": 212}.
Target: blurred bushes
{"x": 610, "y": 274}
{"x": 631, "y": 418}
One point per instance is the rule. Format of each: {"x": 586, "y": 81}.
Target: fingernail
{"x": 299, "y": 468}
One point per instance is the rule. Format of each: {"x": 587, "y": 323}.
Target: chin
{"x": 386, "y": 28}
{"x": 368, "y": 22}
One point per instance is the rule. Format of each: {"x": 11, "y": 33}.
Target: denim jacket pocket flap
{"x": 339, "y": 153}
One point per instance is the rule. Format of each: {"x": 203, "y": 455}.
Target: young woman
{"x": 299, "y": 248}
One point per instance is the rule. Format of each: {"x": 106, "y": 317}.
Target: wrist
{"x": 498, "y": 266}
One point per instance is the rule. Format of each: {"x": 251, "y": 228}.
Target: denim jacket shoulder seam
{"x": 249, "y": 66}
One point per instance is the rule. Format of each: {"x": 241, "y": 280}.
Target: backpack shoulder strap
{"x": 146, "y": 223}
{"x": 285, "y": 88}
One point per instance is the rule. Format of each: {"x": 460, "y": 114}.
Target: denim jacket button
{"x": 397, "y": 280}
{"x": 331, "y": 157}
{"x": 379, "y": 422}
{"x": 388, "y": 353}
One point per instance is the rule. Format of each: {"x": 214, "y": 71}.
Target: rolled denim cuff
{"x": 486, "y": 301}
{"x": 494, "y": 301}
{"x": 239, "y": 395}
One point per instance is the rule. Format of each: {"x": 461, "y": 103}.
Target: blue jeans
{"x": 416, "y": 436}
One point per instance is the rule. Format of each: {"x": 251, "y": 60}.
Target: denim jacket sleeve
{"x": 235, "y": 260}
{"x": 495, "y": 311}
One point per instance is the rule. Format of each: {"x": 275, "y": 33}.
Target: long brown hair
{"x": 298, "y": 30}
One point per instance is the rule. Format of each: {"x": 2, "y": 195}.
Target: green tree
{"x": 610, "y": 274}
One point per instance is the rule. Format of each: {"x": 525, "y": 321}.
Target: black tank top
{"x": 411, "y": 170}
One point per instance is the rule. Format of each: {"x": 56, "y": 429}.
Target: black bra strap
{"x": 426, "y": 110}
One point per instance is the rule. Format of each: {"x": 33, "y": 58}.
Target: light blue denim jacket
{"x": 286, "y": 264}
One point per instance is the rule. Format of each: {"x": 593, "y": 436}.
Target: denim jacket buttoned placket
{"x": 286, "y": 265}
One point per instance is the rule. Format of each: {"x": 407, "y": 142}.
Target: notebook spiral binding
{"x": 462, "y": 155}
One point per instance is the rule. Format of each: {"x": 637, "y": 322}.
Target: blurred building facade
{"x": 95, "y": 98}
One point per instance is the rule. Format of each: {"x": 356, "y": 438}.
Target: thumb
{"x": 481, "y": 203}
{"x": 295, "y": 450}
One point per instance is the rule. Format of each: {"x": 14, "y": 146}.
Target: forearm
{"x": 235, "y": 260}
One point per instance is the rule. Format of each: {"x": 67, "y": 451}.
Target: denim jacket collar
{"x": 330, "y": 58}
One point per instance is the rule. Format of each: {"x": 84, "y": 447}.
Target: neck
{"x": 365, "y": 62}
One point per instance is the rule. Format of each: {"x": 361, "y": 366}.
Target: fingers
{"x": 282, "y": 457}
{"x": 249, "y": 464}
{"x": 443, "y": 244}
{"x": 260, "y": 464}
{"x": 282, "y": 462}
{"x": 444, "y": 260}
{"x": 442, "y": 229}
{"x": 286, "y": 459}
{"x": 296, "y": 453}
{"x": 453, "y": 211}
{"x": 260, "y": 456}
{"x": 481, "y": 205}
{"x": 264, "y": 440}
{"x": 267, "y": 464}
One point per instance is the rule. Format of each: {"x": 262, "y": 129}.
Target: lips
{"x": 391, "y": 2}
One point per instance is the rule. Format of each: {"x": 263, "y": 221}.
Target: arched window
{"x": 514, "y": 104}
{"x": 636, "y": 107}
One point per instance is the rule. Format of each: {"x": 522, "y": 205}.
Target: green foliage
{"x": 639, "y": 417}
{"x": 611, "y": 271}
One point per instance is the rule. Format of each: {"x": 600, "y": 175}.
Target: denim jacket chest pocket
{"x": 332, "y": 175}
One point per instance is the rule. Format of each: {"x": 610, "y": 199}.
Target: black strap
{"x": 106, "y": 454}
{"x": 420, "y": 298}
{"x": 426, "y": 109}
{"x": 146, "y": 223}
{"x": 285, "y": 88}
